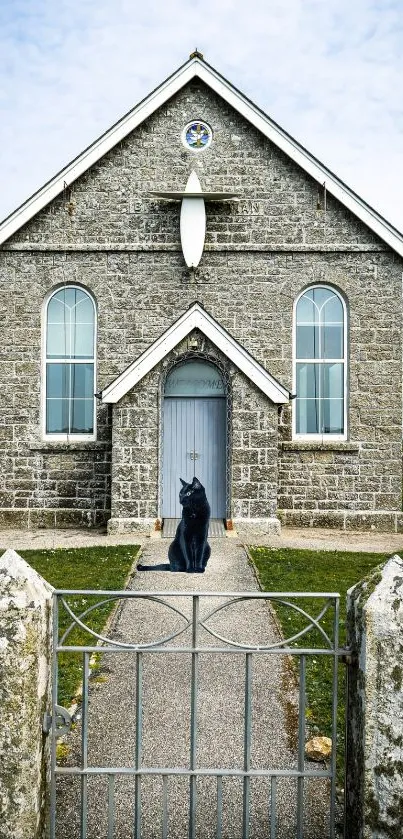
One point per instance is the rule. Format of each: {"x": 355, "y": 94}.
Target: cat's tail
{"x": 163, "y": 566}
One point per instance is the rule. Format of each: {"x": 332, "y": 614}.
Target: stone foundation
{"x": 130, "y": 525}
{"x": 61, "y": 519}
{"x": 382, "y": 521}
{"x": 253, "y": 528}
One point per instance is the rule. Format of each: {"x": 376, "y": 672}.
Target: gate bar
{"x": 84, "y": 746}
{"x": 258, "y": 595}
{"x": 138, "y": 748}
{"x": 219, "y": 807}
{"x": 334, "y": 717}
{"x": 247, "y": 743}
{"x": 165, "y": 807}
{"x": 53, "y": 763}
{"x": 111, "y": 806}
{"x": 223, "y": 773}
{"x": 301, "y": 747}
{"x": 193, "y": 720}
{"x": 207, "y": 650}
{"x": 273, "y": 791}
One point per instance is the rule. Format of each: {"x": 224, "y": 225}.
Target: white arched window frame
{"x": 320, "y": 365}
{"x": 69, "y": 365}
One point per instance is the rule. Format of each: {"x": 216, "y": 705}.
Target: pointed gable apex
{"x": 196, "y": 66}
{"x": 196, "y": 318}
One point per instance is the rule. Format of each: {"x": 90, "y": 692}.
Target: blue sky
{"x": 328, "y": 71}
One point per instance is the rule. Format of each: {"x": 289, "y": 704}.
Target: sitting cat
{"x": 190, "y": 549}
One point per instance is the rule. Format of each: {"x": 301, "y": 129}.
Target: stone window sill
{"x": 317, "y": 446}
{"x": 60, "y": 446}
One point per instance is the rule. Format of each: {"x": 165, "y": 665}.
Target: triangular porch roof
{"x": 197, "y": 67}
{"x": 196, "y": 318}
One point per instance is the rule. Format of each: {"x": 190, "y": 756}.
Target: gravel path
{"x": 166, "y": 715}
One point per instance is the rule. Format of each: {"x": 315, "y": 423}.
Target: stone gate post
{"x": 374, "y": 782}
{"x": 25, "y": 649}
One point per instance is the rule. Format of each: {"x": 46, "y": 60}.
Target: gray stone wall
{"x": 57, "y": 485}
{"x": 340, "y": 486}
{"x": 135, "y": 457}
{"x": 254, "y": 454}
{"x": 110, "y": 235}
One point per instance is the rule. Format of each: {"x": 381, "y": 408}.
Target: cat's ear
{"x": 184, "y": 484}
{"x": 196, "y": 483}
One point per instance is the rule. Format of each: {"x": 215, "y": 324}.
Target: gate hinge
{"x": 346, "y": 656}
{"x": 63, "y": 721}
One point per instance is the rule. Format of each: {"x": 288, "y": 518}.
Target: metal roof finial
{"x": 196, "y": 54}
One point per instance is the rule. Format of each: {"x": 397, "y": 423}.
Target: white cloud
{"x": 329, "y": 71}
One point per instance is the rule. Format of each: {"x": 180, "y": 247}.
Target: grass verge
{"x": 286, "y": 569}
{"x": 82, "y": 568}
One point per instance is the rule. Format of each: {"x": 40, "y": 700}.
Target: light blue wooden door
{"x": 194, "y": 444}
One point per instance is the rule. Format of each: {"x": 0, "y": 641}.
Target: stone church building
{"x": 196, "y": 294}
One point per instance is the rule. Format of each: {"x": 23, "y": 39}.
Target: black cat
{"x": 190, "y": 549}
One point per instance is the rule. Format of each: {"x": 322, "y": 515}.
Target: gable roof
{"x": 197, "y": 67}
{"x": 196, "y": 318}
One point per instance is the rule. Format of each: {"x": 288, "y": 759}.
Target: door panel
{"x": 178, "y": 442}
{"x": 194, "y": 444}
{"x": 211, "y": 445}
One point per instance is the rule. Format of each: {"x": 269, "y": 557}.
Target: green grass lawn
{"x": 285, "y": 569}
{"x": 81, "y": 568}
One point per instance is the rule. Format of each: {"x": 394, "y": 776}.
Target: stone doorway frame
{"x": 174, "y": 361}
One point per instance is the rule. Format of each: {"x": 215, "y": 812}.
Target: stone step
{"x": 216, "y": 528}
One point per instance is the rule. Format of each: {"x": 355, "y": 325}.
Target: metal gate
{"x": 238, "y": 794}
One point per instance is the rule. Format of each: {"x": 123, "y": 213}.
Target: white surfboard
{"x": 193, "y": 222}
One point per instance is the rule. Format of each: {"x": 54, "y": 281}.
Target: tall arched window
{"x": 320, "y": 364}
{"x": 69, "y": 407}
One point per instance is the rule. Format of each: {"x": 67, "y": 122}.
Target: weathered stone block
{"x": 13, "y": 518}
{"x": 374, "y": 798}
{"x": 130, "y": 525}
{"x": 254, "y": 527}
{"x": 370, "y": 521}
{"x": 25, "y": 651}
{"x": 311, "y": 518}
{"x": 73, "y": 518}
{"x": 42, "y": 519}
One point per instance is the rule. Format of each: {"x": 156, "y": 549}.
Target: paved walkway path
{"x": 291, "y": 537}
{"x": 166, "y": 715}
